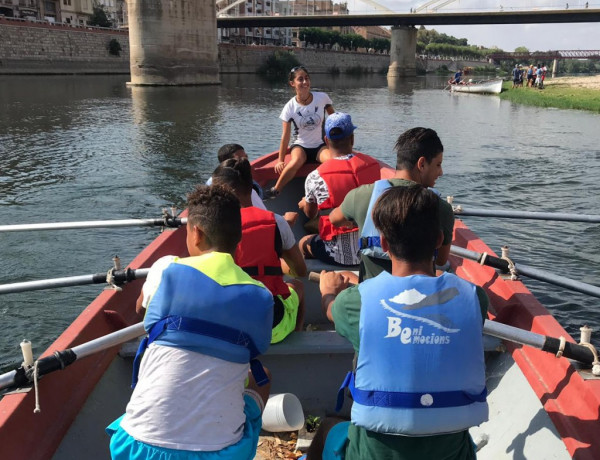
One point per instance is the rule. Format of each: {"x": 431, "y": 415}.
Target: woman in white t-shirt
{"x": 305, "y": 112}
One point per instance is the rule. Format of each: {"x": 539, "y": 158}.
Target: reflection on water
{"x": 88, "y": 147}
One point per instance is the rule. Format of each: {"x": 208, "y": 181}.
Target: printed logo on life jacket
{"x": 310, "y": 121}
{"x": 432, "y": 329}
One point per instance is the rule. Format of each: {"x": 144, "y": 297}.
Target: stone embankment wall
{"x": 431, "y": 65}
{"x": 247, "y": 59}
{"x": 44, "y": 49}
{"x": 31, "y": 48}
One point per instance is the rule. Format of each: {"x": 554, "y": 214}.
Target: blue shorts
{"x": 125, "y": 447}
{"x": 335, "y": 444}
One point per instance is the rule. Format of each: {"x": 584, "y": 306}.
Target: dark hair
{"x": 292, "y": 74}
{"x": 236, "y": 174}
{"x": 345, "y": 143}
{"x": 408, "y": 218}
{"x": 228, "y": 151}
{"x": 216, "y": 210}
{"x": 414, "y": 144}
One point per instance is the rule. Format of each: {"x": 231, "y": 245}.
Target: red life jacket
{"x": 341, "y": 176}
{"x": 257, "y": 254}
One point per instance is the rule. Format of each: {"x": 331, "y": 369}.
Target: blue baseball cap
{"x": 338, "y": 125}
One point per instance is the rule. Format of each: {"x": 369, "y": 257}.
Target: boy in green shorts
{"x": 266, "y": 238}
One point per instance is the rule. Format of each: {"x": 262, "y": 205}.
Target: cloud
{"x": 408, "y": 297}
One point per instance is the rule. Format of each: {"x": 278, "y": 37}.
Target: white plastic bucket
{"x": 283, "y": 412}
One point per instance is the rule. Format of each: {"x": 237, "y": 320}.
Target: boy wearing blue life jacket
{"x": 266, "y": 239}
{"x": 207, "y": 320}
{"x": 419, "y": 156}
{"x": 419, "y": 382}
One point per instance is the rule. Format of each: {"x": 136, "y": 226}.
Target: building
{"x": 371, "y": 32}
{"x": 248, "y": 35}
{"x": 76, "y": 12}
{"x": 316, "y": 8}
{"x": 23, "y": 9}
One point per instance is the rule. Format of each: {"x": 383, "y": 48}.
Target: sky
{"x": 535, "y": 37}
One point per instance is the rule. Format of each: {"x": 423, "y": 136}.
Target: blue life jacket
{"x": 209, "y": 305}
{"x": 369, "y": 243}
{"x": 421, "y": 368}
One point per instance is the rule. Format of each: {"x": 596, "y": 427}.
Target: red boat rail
{"x": 572, "y": 403}
{"x": 25, "y": 435}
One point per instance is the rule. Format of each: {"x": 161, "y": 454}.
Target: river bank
{"x": 579, "y": 93}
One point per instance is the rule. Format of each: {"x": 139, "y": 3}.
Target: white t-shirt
{"x": 307, "y": 120}
{"x": 185, "y": 400}
{"x": 287, "y": 236}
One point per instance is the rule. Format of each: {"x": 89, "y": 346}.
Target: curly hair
{"x": 216, "y": 210}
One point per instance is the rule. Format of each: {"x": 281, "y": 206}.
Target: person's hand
{"x": 279, "y": 167}
{"x": 291, "y": 218}
{"x": 302, "y": 203}
{"x": 332, "y": 283}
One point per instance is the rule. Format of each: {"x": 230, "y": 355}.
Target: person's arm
{"x": 295, "y": 261}
{"x": 283, "y": 146}
{"x": 310, "y": 209}
{"x": 330, "y": 285}
{"x": 329, "y": 109}
{"x": 337, "y": 218}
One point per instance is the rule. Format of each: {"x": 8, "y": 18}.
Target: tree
{"x": 99, "y": 17}
{"x": 521, "y": 50}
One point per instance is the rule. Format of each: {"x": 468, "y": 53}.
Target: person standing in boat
{"x": 419, "y": 156}
{"x": 326, "y": 187}
{"x": 195, "y": 396}
{"x": 419, "y": 380}
{"x": 306, "y": 112}
{"x": 456, "y": 80}
{"x": 267, "y": 238}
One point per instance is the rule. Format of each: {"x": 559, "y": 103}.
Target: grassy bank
{"x": 558, "y": 96}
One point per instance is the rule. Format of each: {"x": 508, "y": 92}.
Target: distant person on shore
{"x": 418, "y": 384}
{"x": 419, "y": 156}
{"x": 267, "y": 238}
{"x": 530, "y": 76}
{"x": 228, "y": 151}
{"x": 516, "y": 75}
{"x": 306, "y": 112}
{"x": 327, "y": 186}
{"x": 207, "y": 320}
{"x": 539, "y": 81}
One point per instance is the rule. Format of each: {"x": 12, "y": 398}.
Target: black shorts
{"x": 311, "y": 154}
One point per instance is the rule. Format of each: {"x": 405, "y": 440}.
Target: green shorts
{"x": 288, "y": 321}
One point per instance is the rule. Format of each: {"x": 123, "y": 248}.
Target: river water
{"x": 88, "y": 147}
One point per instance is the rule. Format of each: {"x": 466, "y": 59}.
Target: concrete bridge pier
{"x": 173, "y": 42}
{"x": 402, "y": 52}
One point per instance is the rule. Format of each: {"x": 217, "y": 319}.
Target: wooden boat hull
{"x": 488, "y": 87}
{"x": 79, "y": 402}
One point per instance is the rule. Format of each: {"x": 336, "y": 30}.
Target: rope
{"x": 561, "y": 347}
{"x": 37, "y": 409}
{"x": 457, "y": 209}
{"x": 596, "y": 363}
{"x": 514, "y": 276}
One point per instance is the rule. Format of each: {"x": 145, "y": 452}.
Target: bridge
{"x": 547, "y": 55}
{"x": 175, "y": 43}
{"x": 415, "y": 19}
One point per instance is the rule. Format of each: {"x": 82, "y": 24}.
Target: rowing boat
{"x": 483, "y": 87}
{"x": 540, "y": 406}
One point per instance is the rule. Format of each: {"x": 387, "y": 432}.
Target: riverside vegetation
{"x": 579, "y": 93}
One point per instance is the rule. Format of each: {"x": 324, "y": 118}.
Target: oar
{"x": 115, "y": 277}
{"x": 168, "y": 221}
{"x": 558, "y": 216}
{"x": 577, "y": 352}
{"x": 60, "y": 359}
{"x": 525, "y": 270}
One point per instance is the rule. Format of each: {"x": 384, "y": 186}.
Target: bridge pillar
{"x": 402, "y": 52}
{"x": 173, "y": 42}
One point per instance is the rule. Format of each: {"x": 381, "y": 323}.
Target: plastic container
{"x": 283, "y": 412}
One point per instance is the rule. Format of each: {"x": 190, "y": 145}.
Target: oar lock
{"x": 110, "y": 275}
{"x": 585, "y": 340}
{"x": 512, "y": 274}
{"x": 170, "y": 219}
